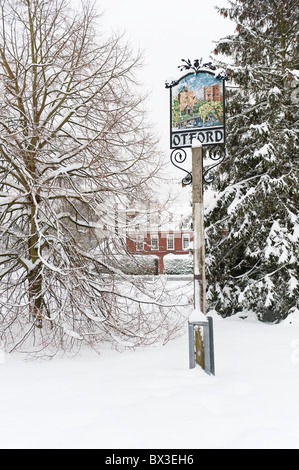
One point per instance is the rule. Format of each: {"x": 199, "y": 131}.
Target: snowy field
{"x": 149, "y": 399}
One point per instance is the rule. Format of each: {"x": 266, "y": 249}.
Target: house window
{"x": 185, "y": 241}
{"x": 139, "y": 242}
{"x": 155, "y": 242}
{"x": 170, "y": 242}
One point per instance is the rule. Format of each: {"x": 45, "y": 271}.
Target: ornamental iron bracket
{"x": 215, "y": 153}
{"x": 177, "y": 157}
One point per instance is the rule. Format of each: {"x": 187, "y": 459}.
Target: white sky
{"x": 166, "y": 31}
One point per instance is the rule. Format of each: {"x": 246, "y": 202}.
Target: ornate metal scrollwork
{"x": 179, "y": 156}
{"x": 217, "y": 154}
{"x": 196, "y": 66}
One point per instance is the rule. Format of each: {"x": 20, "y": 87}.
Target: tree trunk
{"x": 35, "y": 290}
{"x": 35, "y": 278}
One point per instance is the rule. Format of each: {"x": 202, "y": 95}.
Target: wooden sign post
{"x": 200, "y": 308}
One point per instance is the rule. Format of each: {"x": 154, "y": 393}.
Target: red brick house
{"x": 160, "y": 244}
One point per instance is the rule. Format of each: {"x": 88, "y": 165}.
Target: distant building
{"x": 160, "y": 244}
{"x": 160, "y": 235}
{"x": 212, "y": 93}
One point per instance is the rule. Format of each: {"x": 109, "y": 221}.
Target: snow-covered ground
{"x": 149, "y": 399}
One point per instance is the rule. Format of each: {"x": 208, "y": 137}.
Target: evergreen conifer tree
{"x": 253, "y": 229}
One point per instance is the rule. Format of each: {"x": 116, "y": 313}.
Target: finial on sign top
{"x": 196, "y": 66}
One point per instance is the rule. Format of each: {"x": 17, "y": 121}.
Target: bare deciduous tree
{"x": 73, "y": 140}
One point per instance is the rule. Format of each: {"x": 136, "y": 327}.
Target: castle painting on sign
{"x": 197, "y": 110}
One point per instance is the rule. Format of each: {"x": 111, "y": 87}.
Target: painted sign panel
{"x": 197, "y": 110}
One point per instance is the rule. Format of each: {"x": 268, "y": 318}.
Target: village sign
{"x": 197, "y": 106}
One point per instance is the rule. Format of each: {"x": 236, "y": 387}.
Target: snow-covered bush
{"x": 178, "y": 264}
{"x": 139, "y": 264}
